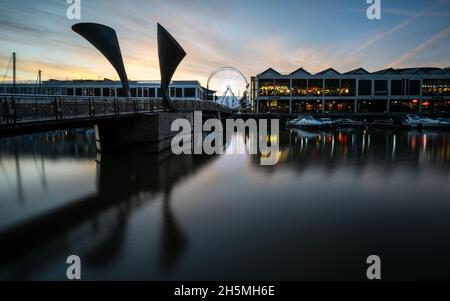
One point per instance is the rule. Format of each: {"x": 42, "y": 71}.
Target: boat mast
{"x": 14, "y": 73}
{"x": 39, "y": 81}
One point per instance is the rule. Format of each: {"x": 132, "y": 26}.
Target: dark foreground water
{"x": 333, "y": 200}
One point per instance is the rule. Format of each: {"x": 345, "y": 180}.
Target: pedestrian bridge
{"x": 118, "y": 121}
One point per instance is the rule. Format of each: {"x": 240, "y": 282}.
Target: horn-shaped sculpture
{"x": 104, "y": 38}
{"x": 170, "y": 56}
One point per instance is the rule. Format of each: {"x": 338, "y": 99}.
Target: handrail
{"x": 18, "y": 109}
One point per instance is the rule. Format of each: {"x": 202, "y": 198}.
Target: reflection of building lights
{"x": 413, "y": 143}
{"x": 272, "y": 139}
{"x": 332, "y": 145}
{"x": 279, "y": 156}
{"x": 342, "y": 138}
{"x": 426, "y": 104}
{"x": 394, "y": 145}
{"x": 424, "y": 142}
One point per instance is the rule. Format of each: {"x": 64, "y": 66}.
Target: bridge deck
{"x": 22, "y": 114}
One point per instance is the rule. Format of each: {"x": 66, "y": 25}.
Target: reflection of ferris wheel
{"x": 230, "y": 85}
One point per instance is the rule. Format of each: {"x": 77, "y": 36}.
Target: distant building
{"x": 107, "y": 88}
{"x": 358, "y": 91}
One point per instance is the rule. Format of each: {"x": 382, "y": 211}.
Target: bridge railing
{"x": 25, "y": 108}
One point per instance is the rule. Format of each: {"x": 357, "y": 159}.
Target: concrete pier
{"x": 151, "y": 131}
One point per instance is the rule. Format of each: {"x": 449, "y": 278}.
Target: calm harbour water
{"x": 333, "y": 200}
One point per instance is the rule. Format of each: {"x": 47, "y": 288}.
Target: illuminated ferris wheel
{"x": 230, "y": 85}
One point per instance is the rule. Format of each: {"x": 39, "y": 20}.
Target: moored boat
{"x": 327, "y": 123}
{"x": 293, "y": 123}
{"x": 383, "y": 124}
{"x": 412, "y": 121}
{"x": 348, "y": 123}
{"x": 429, "y": 123}
{"x": 309, "y": 122}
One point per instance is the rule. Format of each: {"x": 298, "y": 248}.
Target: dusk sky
{"x": 250, "y": 35}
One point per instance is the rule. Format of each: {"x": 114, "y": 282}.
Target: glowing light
{"x": 272, "y": 139}
{"x": 229, "y": 78}
{"x": 415, "y": 101}
{"x": 424, "y": 142}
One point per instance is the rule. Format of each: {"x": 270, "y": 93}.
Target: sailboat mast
{"x": 14, "y": 73}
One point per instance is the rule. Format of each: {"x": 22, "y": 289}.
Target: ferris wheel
{"x": 230, "y": 85}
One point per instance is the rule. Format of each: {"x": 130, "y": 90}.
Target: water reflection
{"x": 31, "y": 168}
{"x": 362, "y": 147}
{"x": 333, "y": 199}
{"x": 97, "y": 222}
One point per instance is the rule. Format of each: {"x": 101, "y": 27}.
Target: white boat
{"x": 309, "y": 122}
{"x": 383, "y": 123}
{"x": 293, "y": 123}
{"x": 412, "y": 121}
{"x": 347, "y": 122}
{"x": 429, "y": 123}
{"x": 444, "y": 120}
{"x": 327, "y": 122}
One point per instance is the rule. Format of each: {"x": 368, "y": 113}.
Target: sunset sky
{"x": 250, "y": 35}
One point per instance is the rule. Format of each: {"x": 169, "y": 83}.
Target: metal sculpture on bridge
{"x": 170, "y": 56}
{"x": 104, "y": 38}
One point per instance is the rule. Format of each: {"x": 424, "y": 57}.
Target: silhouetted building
{"x": 108, "y": 88}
